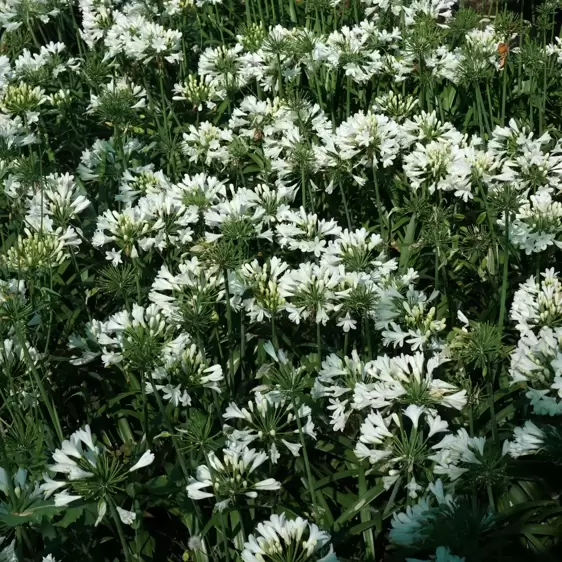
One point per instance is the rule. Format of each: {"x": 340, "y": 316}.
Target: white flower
{"x": 64, "y": 498}
{"x": 146, "y": 460}
{"x": 127, "y": 517}
{"x": 114, "y": 256}
{"x": 102, "y": 510}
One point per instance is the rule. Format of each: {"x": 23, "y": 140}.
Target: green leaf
{"x": 334, "y": 477}
{"x": 360, "y": 504}
{"x": 406, "y": 244}
{"x": 71, "y": 515}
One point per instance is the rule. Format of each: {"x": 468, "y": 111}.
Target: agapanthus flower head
{"x": 305, "y": 231}
{"x": 274, "y": 200}
{"x": 48, "y": 63}
{"x": 262, "y": 281}
{"x": 20, "y": 495}
{"x": 207, "y": 144}
{"x": 357, "y": 251}
{"x": 426, "y": 127}
{"x": 479, "y": 54}
{"x": 395, "y": 105}
{"x": 190, "y": 296}
{"x": 270, "y": 420}
{"x": 284, "y": 375}
{"x": 118, "y": 102}
{"x": 513, "y": 141}
{"x": 536, "y": 362}
{"x": 175, "y": 7}
{"x": 231, "y": 474}
{"x": 405, "y": 314}
{"x": 252, "y": 36}
{"x": 538, "y": 223}
{"x": 372, "y": 138}
{"x": 538, "y": 302}
{"x": 139, "y": 39}
{"x": 349, "y": 49}
{"x": 59, "y": 200}
{"x": 309, "y": 292}
{"x": 200, "y": 190}
{"x": 238, "y": 219}
{"x": 89, "y": 471}
{"x": 259, "y": 119}
{"x": 358, "y": 296}
{"x": 13, "y": 362}
{"x": 440, "y": 165}
{"x": 14, "y": 134}
{"x": 222, "y": 67}
{"x": 198, "y": 92}
{"x": 529, "y": 439}
{"x": 474, "y": 462}
{"x": 41, "y": 249}
{"x": 183, "y": 371}
{"x": 436, "y": 520}
{"x": 407, "y": 379}
{"x": 124, "y": 229}
{"x": 288, "y": 540}
{"x": 401, "y": 445}
{"x": 15, "y": 13}
{"x": 140, "y": 181}
{"x": 136, "y": 339}
{"x": 24, "y": 101}
{"x": 337, "y": 380}
{"x": 478, "y": 343}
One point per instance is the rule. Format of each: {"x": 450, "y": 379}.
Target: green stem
{"x": 436, "y": 272}
{"x": 379, "y": 206}
{"x": 224, "y": 537}
{"x": 303, "y": 188}
{"x": 365, "y": 516}
{"x": 493, "y": 420}
{"x": 348, "y": 97}
{"x": 31, "y": 365}
{"x": 481, "y": 108}
{"x": 170, "y": 429}
{"x": 505, "y": 273}
{"x": 274, "y": 332}
{"x": 280, "y": 77}
{"x": 504, "y": 93}
{"x": 229, "y": 327}
{"x": 368, "y": 336}
{"x": 120, "y": 530}
{"x": 346, "y": 208}
{"x": 144, "y": 406}
{"x": 319, "y": 343}
{"x": 543, "y": 104}
{"x": 309, "y": 477}
{"x": 491, "y": 498}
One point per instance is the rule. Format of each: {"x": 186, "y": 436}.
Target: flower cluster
{"x": 287, "y": 275}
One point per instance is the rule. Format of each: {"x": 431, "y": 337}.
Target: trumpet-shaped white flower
{"x": 528, "y": 440}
